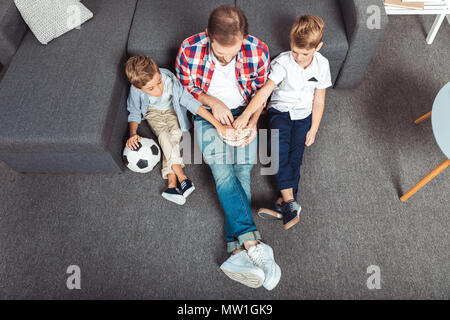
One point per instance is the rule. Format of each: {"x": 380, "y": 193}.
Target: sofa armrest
{"x": 365, "y": 22}
{"x": 12, "y": 30}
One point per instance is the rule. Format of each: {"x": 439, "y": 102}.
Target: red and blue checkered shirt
{"x": 194, "y": 65}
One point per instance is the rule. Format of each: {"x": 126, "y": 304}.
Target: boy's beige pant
{"x": 164, "y": 124}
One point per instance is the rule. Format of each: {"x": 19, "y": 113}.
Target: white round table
{"x": 440, "y": 121}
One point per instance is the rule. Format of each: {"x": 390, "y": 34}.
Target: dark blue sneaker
{"x": 187, "y": 187}
{"x": 272, "y": 214}
{"x": 291, "y": 212}
{"x": 174, "y": 195}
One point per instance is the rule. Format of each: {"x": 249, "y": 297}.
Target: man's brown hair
{"x": 140, "y": 70}
{"x": 225, "y": 23}
{"x": 307, "y": 32}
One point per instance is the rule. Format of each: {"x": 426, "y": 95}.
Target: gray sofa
{"x": 63, "y": 106}
{"x": 12, "y": 30}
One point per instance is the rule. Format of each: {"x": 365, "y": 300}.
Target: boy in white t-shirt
{"x": 298, "y": 80}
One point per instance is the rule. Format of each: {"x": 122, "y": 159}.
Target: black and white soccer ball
{"x": 144, "y": 158}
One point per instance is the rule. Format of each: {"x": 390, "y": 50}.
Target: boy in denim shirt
{"x": 158, "y": 96}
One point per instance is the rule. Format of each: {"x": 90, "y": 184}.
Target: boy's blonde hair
{"x": 140, "y": 70}
{"x": 307, "y": 32}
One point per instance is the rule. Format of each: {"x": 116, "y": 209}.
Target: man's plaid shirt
{"x": 194, "y": 65}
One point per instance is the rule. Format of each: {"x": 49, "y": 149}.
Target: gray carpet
{"x": 130, "y": 243}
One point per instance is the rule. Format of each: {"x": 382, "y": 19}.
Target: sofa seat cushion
{"x": 271, "y": 21}
{"x": 160, "y": 26}
{"x": 63, "y": 97}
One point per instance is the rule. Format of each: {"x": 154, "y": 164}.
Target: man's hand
{"x": 241, "y": 121}
{"x": 310, "y": 137}
{"x": 252, "y": 125}
{"x": 132, "y": 142}
{"x": 222, "y": 113}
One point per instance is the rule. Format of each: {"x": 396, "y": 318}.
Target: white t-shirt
{"x": 224, "y": 85}
{"x": 295, "y": 86}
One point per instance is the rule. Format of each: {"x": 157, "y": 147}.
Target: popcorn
{"x": 235, "y": 137}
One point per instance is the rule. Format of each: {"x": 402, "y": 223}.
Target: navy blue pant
{"x": 291, "y": 137}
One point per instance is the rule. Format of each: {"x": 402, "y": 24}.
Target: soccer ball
{"x": 144, "y": 158}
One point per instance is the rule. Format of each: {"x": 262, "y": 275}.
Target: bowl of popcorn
{"x": 235, "y": 137}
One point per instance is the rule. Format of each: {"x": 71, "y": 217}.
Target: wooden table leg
{"x": 425, "y": 180}
{"x": 423, "y": 118}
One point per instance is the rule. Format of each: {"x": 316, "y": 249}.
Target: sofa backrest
{"x": 159, "y": 26}
{"x": 12, "y": 30}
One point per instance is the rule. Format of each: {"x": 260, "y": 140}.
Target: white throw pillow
{"x": 48, "y": 19}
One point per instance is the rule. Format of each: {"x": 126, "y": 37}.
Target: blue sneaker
{"x": 174, "y": 195}
{"x": 291, "y": 212}
{"x": 187, "y": 187}
{"x": 275, "y": 214}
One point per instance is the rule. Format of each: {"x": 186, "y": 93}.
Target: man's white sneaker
{"x": 239, "y": 268}
{"x": 262, "y": 256}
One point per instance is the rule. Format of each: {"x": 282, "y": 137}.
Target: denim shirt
{"x": 138, "y": 102}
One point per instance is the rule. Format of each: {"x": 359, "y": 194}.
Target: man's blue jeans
{"x": 231, "y": 167}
